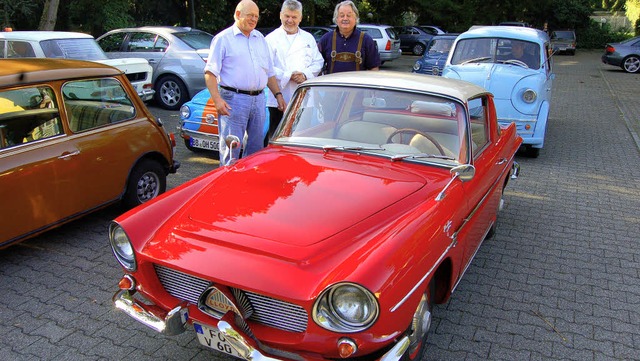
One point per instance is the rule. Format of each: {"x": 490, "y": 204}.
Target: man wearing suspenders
{"x": 347, "y": 48}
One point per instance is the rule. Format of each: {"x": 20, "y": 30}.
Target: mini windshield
{"x": 389, "y": 123}
{"x": 497, "y": 50}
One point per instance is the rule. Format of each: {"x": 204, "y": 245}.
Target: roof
{"x": 15, "y": 71}
{"x": 511, "y": 32}
{"x": 42, "y": 35}
{"x": 158, "y": 29}
{"x": 451, "y": 88}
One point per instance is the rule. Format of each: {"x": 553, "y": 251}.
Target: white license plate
{"x": 202, "y": 143}
{"x": 210, "y": 337}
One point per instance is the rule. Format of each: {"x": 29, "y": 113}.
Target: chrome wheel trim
{"x": 148, "y": 187}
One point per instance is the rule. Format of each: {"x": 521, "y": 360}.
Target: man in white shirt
{"x": 295, "y": 56}
{"x": 238, "y": 69}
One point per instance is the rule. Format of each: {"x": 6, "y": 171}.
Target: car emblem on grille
{"x": 217, "y": 301}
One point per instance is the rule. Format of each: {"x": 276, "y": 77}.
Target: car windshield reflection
{"x": 389, "y": 123}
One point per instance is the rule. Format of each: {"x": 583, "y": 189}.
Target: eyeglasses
{"x": 251, "y": 16}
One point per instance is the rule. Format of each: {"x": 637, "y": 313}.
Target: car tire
{"x": 171, "y": 92}
{"x": 420, "y": 326}
{"x": 147, "y": 180}
{"x": 418, "y": 49}
{"x": 631, "y": 64}
{"x": 532, "y": 152}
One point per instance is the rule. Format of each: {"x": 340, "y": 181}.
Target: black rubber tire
{"x": 171, "y": 92}
{"x": 631, "y": 64}
{"x": 418, "y": 49}
{"x": 147, "y": 180}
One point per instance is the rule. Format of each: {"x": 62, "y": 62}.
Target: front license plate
{"x": 202, "y": 143}
{"x": 210, "y": 337}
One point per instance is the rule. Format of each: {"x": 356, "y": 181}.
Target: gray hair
{"x": 346, "y": 3}
{"x": 292, "y": 5}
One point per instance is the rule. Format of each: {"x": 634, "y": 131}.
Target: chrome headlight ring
{"x": 346, "y": 307}
{"x": 416, "y": 66}
{"x": 529, "y": 96}
{"x": 122, "y": 247}
{"x": 185, "y": 112}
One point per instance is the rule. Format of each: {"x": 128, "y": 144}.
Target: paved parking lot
{"x": 559, "y": 281}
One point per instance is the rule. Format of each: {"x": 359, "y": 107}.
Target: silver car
{"x": 386, "y": 38}
{"x": 177, "y": 55}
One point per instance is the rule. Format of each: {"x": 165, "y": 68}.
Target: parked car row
{"x": 162, "y": 62}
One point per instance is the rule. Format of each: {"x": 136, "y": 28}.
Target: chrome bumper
{"x": 146, "y": 94}
{"x": 169, "y": 323}
{"x": 174, "y": 322}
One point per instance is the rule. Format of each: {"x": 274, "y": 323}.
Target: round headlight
{"x": 346, "y": 307}
{"x": 416, "y": 66}
{"x": 185, "y": 112}
{"x": 529, "y": 96}
{"x": 122, "y": 248}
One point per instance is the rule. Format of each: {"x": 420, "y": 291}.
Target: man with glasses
{"x": 238, "y": 69}
{"x": 347, "y": 48}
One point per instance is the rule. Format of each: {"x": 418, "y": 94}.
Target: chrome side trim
{"x": 404, "y": 299}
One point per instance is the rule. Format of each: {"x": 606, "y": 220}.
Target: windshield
{"x": 440, "y": 46}
{"x": 390, "y": 123}
{"x": 563, "y": 35}
{"x": 79, "y": 49}
{"x": 196, "y": 39}
{"x": 497, "y": 50}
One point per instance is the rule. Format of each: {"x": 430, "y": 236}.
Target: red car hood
{"x": 280, "y": 216}
{"x": 296, "y": 200}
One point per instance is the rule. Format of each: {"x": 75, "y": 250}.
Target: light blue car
{"x": 514, "y": 64}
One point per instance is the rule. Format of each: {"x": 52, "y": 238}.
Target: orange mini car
{"x": 74, "y": 137}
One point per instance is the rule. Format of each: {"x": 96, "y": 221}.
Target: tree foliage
{"x": 214, "y": 15}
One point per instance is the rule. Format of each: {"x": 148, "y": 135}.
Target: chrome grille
{"x": 181, "y": 285}
{"x": 276, "y": 313}
{"x": 266, "y": 310}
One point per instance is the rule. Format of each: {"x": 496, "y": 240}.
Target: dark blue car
{"x": 433, "y": 59}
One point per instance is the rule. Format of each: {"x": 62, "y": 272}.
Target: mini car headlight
{"x": 185, "y": 112}
{"x": 121, "y": 246}
{"x": 416, "y": 66}
{"x": 346, "y": 307}
{"x": 529, "y": 96}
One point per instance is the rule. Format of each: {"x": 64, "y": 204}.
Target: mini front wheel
{"x": 146, "y": 181}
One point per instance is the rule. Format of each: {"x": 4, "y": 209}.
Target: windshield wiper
{"x": 420, "y": 155}
{"x": 476, "y": 60}
{"x": 327, "y": 148}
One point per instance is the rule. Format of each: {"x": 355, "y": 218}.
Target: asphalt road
{"x": 559, "y": 281}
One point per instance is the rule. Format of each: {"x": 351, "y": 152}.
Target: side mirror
{"x": 464, "y": 172}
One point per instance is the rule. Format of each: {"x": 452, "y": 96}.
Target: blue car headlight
{"x": 122, "y": 247}
{"x": 346, "y": 308}
{"x": 529, "y": 96}
{"x": 185, "y": 112}
{"x": 416, "y": 66}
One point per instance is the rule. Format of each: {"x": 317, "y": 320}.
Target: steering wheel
{"x": 517, "y": 62}
{"x": 415, "y": 131}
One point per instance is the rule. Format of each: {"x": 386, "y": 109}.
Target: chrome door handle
{"x": 69, "y": 155}
{"x": 501, "y": 161}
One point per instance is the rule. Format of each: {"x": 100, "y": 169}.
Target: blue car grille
{"x": 266, "y": 310}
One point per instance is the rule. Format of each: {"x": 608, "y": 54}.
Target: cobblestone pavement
{"x": 559, "y": 281}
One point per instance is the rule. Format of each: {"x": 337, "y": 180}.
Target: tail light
{"x": 172, "y": 139}
{"x": 610, "y": 49}
{"x": 388, "y": 47}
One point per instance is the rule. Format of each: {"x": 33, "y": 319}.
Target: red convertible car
{"x": 335, "y": 241}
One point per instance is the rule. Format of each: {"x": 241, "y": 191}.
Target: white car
{"x": 71, "y": 45}
{"x": 386, "y": 38}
